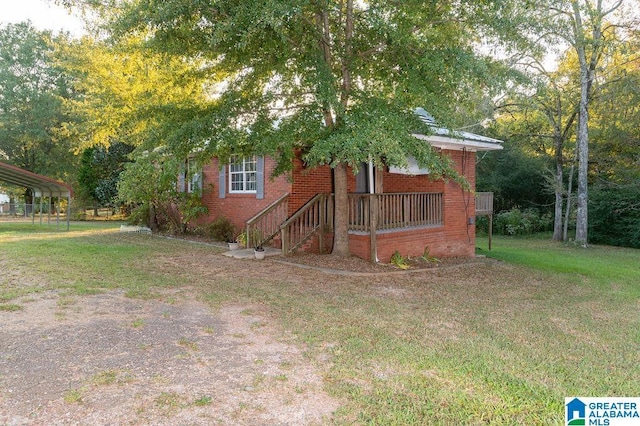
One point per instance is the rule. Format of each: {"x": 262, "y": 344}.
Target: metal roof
{"x": 454, "y": 139}
{"x": 42, "y": 186}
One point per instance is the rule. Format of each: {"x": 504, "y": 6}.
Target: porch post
{"x": 373, "y": 226}
{"x": 374, "y": 211}
{"x": 323, "y": 223}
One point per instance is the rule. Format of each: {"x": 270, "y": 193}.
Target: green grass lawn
{"x": 499, "y": 342}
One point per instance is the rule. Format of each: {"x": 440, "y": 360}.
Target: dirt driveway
{"x": 107, "y": 359}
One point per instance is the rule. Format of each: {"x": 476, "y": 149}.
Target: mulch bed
{"x": 355, "y": 264}
{"x": 347, "y": 264}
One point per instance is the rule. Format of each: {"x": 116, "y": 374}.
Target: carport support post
{"x": 49, "y": 209}
{"x": 68, "y": 210}
{"x": 41, "y": 205}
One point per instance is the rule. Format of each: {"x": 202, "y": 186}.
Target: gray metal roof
{"x": 454, "y": 139}
{"x": 41, "y": 185}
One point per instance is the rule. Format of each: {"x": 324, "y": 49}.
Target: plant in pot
{"x": 259, "y": 252}
{"x": 242, "y": 239}
{"x": 231, "y": 239}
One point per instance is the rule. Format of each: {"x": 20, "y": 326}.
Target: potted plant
{"x": 242, "y": 239}
{"x": 232, "y": 240}
{"x": 259, "y": 252}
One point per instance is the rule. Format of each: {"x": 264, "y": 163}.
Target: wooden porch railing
{"x": 396, "y": 210}
{"x": 265, "y": 225}
{"x": 484, "y": 207}
{"x": 316, "y": 214}
{"x": 484, "y": 203}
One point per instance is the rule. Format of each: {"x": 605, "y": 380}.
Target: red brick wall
{"x": 393, "y": 182}
{"x": 239, "y": 208}
{"x": 307, "y": 183}
{"x": 456, "y": 237}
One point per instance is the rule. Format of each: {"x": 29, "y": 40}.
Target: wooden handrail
{"x": 262, "y": 227}
{"x": 316, "y": 214}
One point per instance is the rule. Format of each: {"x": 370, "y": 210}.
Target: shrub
{"x": 221, "y": 229}
{"x": 519, "y": 222}
{"x": 614, "y": 215}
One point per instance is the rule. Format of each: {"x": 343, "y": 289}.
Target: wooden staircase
{"x": 315, "y": 217}
{"x": 273, "y": 225}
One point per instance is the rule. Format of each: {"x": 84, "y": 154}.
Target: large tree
{"x": 99, "y": 173}
{"x": 589, "y": 28}
{"x": 129, "y": 94}
{"x": 146, "y": 99}
{"x": 614, "y": 198}
{"x": 335, "y": 80}
{"x": 32, "y": 93}
{"x": 541, "y": 116}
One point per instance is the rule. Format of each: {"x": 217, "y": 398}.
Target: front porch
{"x": 379, "y": 224}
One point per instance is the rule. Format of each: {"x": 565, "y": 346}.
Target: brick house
{"x": 413, "y": 211}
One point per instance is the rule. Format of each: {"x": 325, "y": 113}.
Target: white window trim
{"x": 244, "y": 174}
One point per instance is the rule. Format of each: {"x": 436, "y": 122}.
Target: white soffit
{"x": 480, "y": 143}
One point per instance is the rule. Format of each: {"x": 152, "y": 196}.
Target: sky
{"x": 44, "y": 15}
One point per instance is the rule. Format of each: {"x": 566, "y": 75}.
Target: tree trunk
{"x": 587, "y": 70}
{"x": 582, "y": 220}
{"x": 567, "y": 213}
{"x": 558, "y": 189}
{"x": 341, "y": 212}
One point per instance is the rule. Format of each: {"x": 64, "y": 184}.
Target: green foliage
{"x": 99, "y": 172}
{"x": 10, "y": 307}
{"x": 427, "y": 257}
{"x": 33, "y": 91}
{"x": 150, "y": 184}
{"x": 515, "y": 177}
{"x": 615, "y": 215}
{"x": 221, "y": 229}
{"x": 132, "y": 94}
{"x": 399, "y": 260}
{"x": 520, "y": 222}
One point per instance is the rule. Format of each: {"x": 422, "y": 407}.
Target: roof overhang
{"x": 42, "y": 186}
{"x": 459, "y": 143}
{"x": 455, "y": 140}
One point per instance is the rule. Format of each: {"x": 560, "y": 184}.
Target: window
{"x": 190, "y": 178}
{"x": 194, "y": 172}
{"x": 243, "y": 175}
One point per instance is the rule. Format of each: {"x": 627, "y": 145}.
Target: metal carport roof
{"x": 41, "y": 186}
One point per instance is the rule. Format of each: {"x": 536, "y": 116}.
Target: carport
{"x": 41, "y": 186}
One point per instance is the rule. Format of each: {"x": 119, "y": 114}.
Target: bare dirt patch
{"x": 356, "y": 265}
{"x": 108, "y": 359}
{"x": 173, "y": 360}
